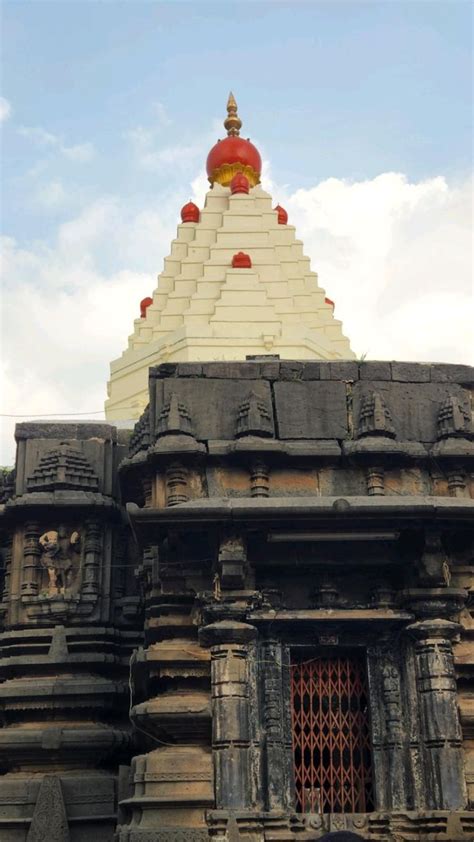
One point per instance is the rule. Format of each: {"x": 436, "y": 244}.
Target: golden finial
{"x": 232, "y": 122}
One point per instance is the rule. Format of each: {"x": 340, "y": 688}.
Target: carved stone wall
{"x": 154, "y": 597}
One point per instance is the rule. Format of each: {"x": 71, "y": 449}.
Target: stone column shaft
{"x": 277, "y": 722}
{"x": 92, "y": 554}
{"x": 31, "y": 556}
{"x": 231, "y": 732}
{"x": 441, "y": 729}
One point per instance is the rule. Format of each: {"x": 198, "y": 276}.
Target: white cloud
{"x": 397, "y": 259}
{"x": 394, "y": 255}
{"x": 50, "y": 196}
{"x": 80, "y": 152}
{"x": 151, "y": 155}
{"x": 5, "y": 109}
{"x": 38, "y": 135}
{"x": 161, "y": 114}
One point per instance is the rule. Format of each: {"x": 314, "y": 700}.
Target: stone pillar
{"x": 92, "y": 556}
{"x": 375, "y": 478}
{"x": 275, "y": 682}
{"x": 440, "y": 726}
{"x": 393, "y": 774}
{"x": 232, "y": 646}
{"x": 172, "y": 784}
{"x": 259, "y": 479}
{"x": 31, "y": 556}
{"x": 6, "y": 573}
{"x": 176, "y": 480}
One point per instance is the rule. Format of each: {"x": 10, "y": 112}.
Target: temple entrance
{"x": 331, "y": 738}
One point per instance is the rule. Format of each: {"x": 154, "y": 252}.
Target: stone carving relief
{"x": 59, "y": 561}
{"x": 49, "y": 823}
{"x": 375, "y": 418}
{"x": 254, "y": 418}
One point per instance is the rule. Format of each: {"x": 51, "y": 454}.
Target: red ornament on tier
{"x": 282, "y": 215}
{"x": 330, "y": 302}
{"x": 233, "y": 154}
{"x": 241, "y": 261}
{"x": 144, "y": 304}
{"x": 239, "y": 184}
{"x": 190, "y": 213}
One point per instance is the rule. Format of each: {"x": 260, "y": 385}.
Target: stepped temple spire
{"x": 206, "y": 306}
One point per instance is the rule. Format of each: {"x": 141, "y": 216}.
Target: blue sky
{"x": 362, "y": 112}
{"x": 330, "y": 89}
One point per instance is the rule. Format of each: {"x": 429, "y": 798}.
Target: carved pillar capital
{"x": 435, "y": 603}
{"x": 227, "y": 632}
{"x": 436, "y": 629}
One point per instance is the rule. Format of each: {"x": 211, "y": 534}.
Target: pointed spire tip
{"x": 232, "y": 122}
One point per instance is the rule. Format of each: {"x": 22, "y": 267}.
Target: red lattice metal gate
{"x": 331, "y": 740}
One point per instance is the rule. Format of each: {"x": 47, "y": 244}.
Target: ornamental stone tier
{"x": 207, "y": 308}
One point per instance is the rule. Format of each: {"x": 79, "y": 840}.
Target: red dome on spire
{"x": 282, "y": 215}
{"x": 190, "y": 213}
{"x": 144, "y": 305}
{"x": 233, "y": 154}
{"x": 239, "y": 183}
{"x": 241, "y": 261}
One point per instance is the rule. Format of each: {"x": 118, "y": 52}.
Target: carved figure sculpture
{"x": 60, "y": 559}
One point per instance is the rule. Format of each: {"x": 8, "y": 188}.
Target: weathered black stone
{"x": 311, "y": 410}
{"x": 266, "y": 545}
{"x": 413, "y": 407}
{"x": 445, "y": 373}
{"x": 411, "y": 372}
{"x": 375, "y": 371}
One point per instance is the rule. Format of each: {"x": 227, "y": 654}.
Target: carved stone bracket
{"x": 232, "y": 562}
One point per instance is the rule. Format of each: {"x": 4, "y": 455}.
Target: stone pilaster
{"x": 440, "y": 726}
{"x": 232, "y": 646}
{"x": 389, "y": 732}
{"x": 31, "y": 556}
{"x": 92, "y": 557}
{"x": 278, "y": 757}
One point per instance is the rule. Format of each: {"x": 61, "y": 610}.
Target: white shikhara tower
{"x": 236, "y": 283}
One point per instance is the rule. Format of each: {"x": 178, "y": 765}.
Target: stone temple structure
{"x": 250, "y": 618}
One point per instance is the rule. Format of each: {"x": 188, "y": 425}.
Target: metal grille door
{"x": 331, "y": 741}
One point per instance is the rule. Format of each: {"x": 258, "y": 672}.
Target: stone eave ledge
{"x": 308, "y": 508}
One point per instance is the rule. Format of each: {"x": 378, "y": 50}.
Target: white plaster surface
{"x": 205, "y": 310}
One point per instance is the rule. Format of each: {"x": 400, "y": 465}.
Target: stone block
{"x": 270, "y": 369}
{"x": 189, "y": 370}
{"x": 96, "y": 442}
{"x": 311, "y": 371}
{"x": 231, "y": 370}
{"x": 291, "y": 370}
{"x": 411, "y": 372}
{"x": 443, "y": 373}
{"x": 311, "y": 410}
{"x": 213, "y": 404}
{"x": 344, "y": 370}
{"x": 413, "y": 407}
{"x": 375, "y": 370}
{"x": 163, "y": 370}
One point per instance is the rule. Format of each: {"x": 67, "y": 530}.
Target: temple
{"x": 236, "y": 283}
{"x": 249, "y": 618}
